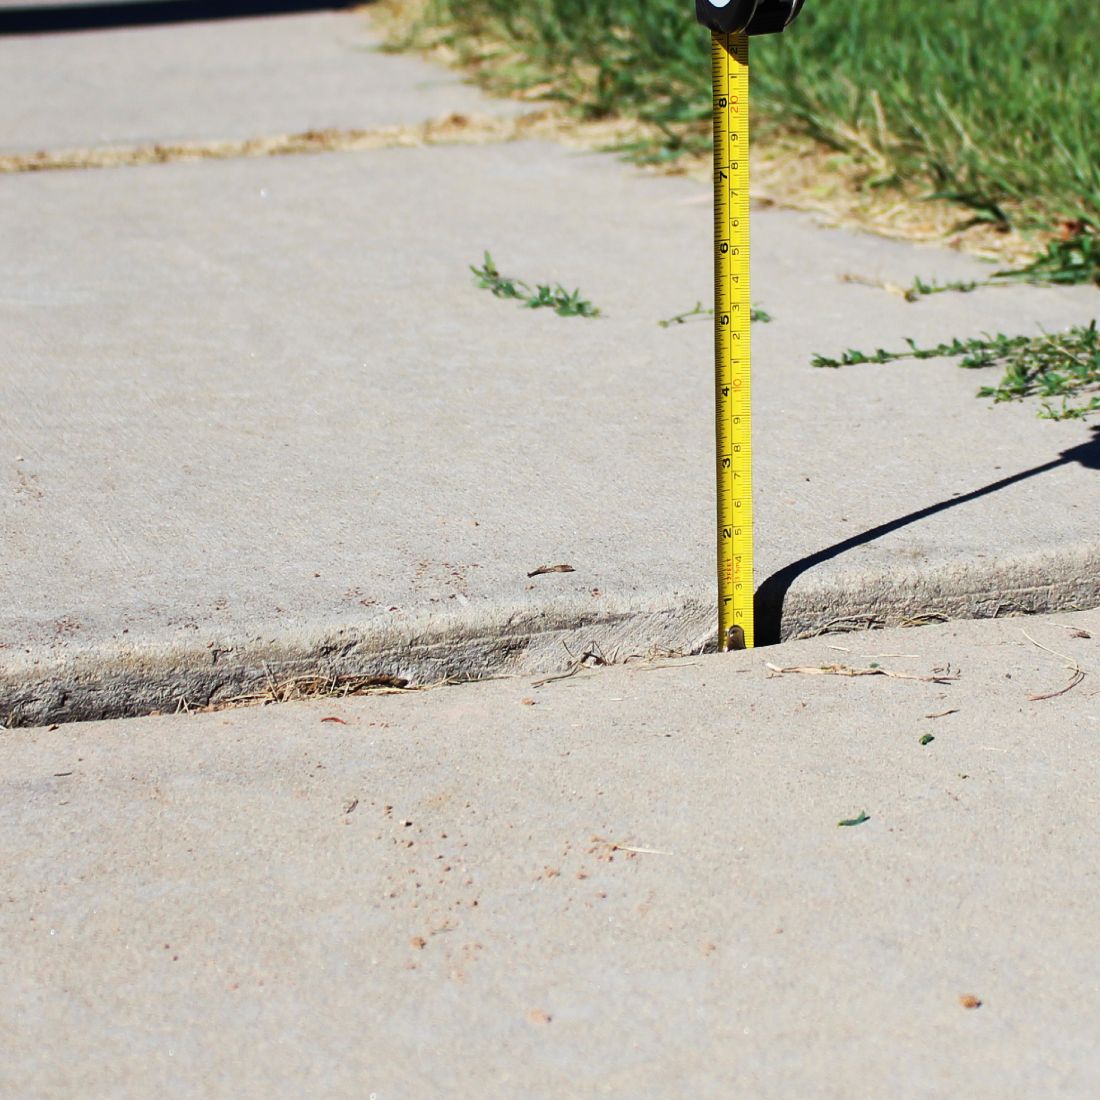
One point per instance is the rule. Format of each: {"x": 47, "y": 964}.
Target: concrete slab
{"x": 215, "y": 81}
{"x": 257, "y": 420}
{"x": 633, "y": 886}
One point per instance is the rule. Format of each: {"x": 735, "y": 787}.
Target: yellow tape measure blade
{"x": 732, "y": 340}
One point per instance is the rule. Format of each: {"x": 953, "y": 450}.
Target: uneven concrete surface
{"x": 434, "y": 894}
{"x": 256, "y": 421}
{"x": 255, "y": 412}
{"x": 236, "y": 78}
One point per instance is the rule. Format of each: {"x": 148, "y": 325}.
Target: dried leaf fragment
{"x": 333, "y": 718}
{"x": 551, "y": 569}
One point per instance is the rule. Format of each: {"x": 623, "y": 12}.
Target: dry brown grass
{"x": 451, "y": 129}
{"x": 303, "y": 688}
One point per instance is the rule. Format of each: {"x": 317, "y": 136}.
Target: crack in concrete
{"x": 452, "y": 129}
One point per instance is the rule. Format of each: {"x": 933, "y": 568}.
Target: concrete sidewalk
{"x": 237, "y": 78}
{"x": 627, "y": 883}
{"x": 257, "y": 421}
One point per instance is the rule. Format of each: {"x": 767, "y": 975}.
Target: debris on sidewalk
{"x": 543, "y": 569}
{"x": 938, "y": 677}
{"x": 1075, "y": 671}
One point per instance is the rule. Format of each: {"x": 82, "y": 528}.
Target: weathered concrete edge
{"x": 40, "y": 687}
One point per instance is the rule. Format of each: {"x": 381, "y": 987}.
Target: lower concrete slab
{"x": 216, "y": 81}
{"x": 257, "y": 420}
{"x": 627, "y": 883}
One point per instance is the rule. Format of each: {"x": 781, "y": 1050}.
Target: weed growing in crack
{"x": 564, "y": 303}
{"x": 1072, "y": 259}
{"x": 1062, "y": 366}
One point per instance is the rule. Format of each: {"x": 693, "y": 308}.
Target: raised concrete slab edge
{"x": 113, "y": 681}
{"x": 858, "y": 448}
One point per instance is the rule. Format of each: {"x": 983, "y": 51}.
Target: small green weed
{"x": 1064, "y": 366}
{"x": 757, "y": 314}
{"x": 565, "y": 303}
{"x": 921, "y": 288}
{"x": 848, "y": 822}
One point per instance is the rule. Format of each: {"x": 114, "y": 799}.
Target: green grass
{"x": 992, "y": 105}
{"x": 1061, "y": 369}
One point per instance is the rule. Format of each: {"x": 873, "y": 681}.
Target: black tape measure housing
{"x": 752, "y": 16}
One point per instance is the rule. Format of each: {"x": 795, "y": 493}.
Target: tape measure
{"x": 731, "y": 23}
{"x": 732, "y": 339}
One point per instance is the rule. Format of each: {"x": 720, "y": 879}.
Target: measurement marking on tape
{"x": 732, "y": 340}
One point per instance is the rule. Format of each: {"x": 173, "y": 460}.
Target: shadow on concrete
{"x": 138, "y": 13}
{"x": 771, "y": 595}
